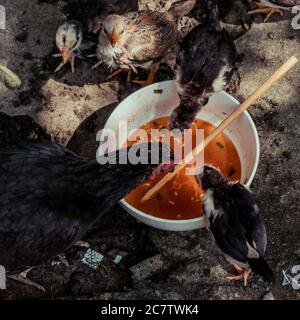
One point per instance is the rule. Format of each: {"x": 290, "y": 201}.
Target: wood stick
{"x": 278, "y": 74}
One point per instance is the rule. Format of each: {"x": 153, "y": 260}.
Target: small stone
{"x": 22, "y": 35}
{"x": 149, "y": 267}
{"x": 271, "y": 35}
{"x": 297, "y": 252}
{"x": 28, "y": 56}
{"x": 287, "y": 155}
{"x": 268, "y": 296}
{"x": 218, "y": 272}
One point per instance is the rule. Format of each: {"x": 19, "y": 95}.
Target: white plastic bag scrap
{"x": 92, "y": 258}
{"x": 118, "y": 259}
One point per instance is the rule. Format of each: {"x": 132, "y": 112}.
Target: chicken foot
{"x": 268, "y": 11}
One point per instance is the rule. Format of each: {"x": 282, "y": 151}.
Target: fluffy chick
{"x": 205, "y": 64}
{"x": 235, "y": 221}
{"x": 72, "y": 41}
{"x": 139, "y": 39}
{"x": 78, "y": 37}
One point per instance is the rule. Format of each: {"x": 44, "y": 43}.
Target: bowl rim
{"x": 248, "y": 183}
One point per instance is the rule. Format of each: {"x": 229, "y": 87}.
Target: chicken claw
{"x": 120, "y": 70}
{"x": 22, "y": 278}
{"x": 70, "y": 58}
{"x": 243, "y": 275}
{"x": 151, "y": 76}
{"x": 268, "y": 11}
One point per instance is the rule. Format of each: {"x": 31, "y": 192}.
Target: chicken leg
{"x": 120, "y": 70}
{"x": 267, "y": 10}
{"x": 71, "y": 59}
{"x": 244, "y": 274}
{"x": 22, "y": 277}
{"x": 153, "y": 70}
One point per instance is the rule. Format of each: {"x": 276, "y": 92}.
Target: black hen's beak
{"x": 167, "y": 162}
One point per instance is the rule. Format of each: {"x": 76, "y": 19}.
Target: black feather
{"x": 50, "y": 197}
{"x": 205, "y": 53}
{"x": 235, "y": 222}
{"x": 261, "y": 267}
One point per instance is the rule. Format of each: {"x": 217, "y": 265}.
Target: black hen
{"x": 205, "y": 64}
{"x": 235, "y": 221}
{"x": 50, "y": 197}
{"x": 19, "y": 128}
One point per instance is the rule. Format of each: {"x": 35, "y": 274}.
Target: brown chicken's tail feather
{"x": 181, "y": 8}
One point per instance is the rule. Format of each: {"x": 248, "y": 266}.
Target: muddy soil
{"x": 71, "y": 108}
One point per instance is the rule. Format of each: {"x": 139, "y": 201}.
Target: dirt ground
{"x": 71, "y": 108}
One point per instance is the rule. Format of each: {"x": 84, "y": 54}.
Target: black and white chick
{"x": 205, "y": 64}
{"x": 234, "y": 219}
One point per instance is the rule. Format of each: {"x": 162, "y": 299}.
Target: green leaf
{"x": 11, "y": 79}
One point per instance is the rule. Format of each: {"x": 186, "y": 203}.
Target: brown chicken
{"x": 77, "y": 37}
{"x": 139, "y": 39}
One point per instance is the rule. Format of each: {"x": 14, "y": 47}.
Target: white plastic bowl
{"x": 145, "y": 105}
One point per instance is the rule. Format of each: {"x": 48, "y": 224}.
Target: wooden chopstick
{"x": 278, "y": 74}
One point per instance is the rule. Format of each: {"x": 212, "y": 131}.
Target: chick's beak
{"x": 65, "y": 53}
{"x": 113, "y": 38}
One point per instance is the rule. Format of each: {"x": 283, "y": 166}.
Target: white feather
{"x": 220, "y": 81}
{"x": 209, "y": 206}
{"x": 252, "y": 253}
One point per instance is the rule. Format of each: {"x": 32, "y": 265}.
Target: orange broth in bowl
{"x": 180, "y": 199}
